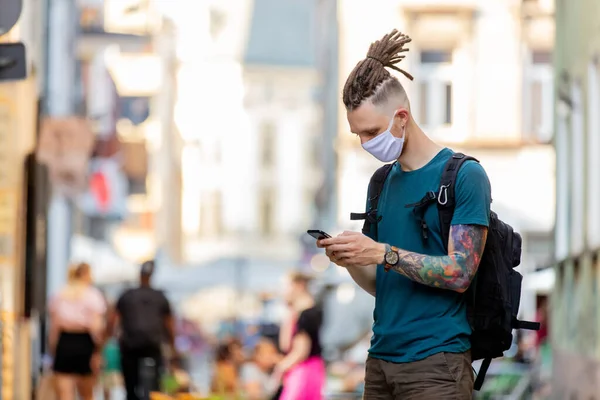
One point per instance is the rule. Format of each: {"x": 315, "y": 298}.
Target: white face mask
{"x": 386, "y": 147}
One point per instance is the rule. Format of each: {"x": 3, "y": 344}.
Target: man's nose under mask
{"x": 386, "y": 147}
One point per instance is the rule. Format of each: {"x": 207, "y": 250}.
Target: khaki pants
{"x": 442, "y": 376}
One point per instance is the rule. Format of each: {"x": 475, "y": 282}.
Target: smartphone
{"x": 318, "y": 234}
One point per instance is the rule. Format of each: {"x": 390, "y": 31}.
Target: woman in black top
{"x": 302, "y": 369}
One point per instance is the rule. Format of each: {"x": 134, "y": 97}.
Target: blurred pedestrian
{"x": 111, "y": 377}
{"x": 77, "y": 320}
{"x": 111, "y": 368}
{"x": 236, "y": 349}
{"x": 302, "y": 370}
{"x": 225, "y": 380}
{"x": 256, "y": 373}
{"x": 145, "y": 318}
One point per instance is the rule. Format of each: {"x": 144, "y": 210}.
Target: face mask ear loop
{"x": 391, "y": 123}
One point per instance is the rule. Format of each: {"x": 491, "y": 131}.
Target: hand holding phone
{"x": 318, "y": 234}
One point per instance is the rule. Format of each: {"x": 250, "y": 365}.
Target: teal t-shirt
{"x": 413, "y": 321}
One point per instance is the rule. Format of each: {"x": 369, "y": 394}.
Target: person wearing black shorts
{"x": 77, "y": 315}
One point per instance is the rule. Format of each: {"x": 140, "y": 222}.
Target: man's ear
{"x": 403, "y": 115}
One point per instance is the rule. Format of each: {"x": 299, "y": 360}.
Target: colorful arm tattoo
{"x": 454, "y": 271}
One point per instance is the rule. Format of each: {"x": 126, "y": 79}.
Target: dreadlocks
{"x": 370, "y": 73}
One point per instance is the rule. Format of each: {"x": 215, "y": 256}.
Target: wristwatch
{"x": 391, "y": 257}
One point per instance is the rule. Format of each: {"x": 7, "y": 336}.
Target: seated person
{"x": 256, "y": 380}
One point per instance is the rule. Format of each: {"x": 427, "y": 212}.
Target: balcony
{"x": 127, "y": 23}
{"x": 440, "y": 6}
{"x": 537, "y": 8}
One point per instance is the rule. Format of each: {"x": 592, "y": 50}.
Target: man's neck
{"x": 419, "y": 149}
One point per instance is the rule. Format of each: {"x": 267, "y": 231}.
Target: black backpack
{"x": 494, "y": 295}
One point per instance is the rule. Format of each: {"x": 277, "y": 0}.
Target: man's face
{"x": 368, "y": 121}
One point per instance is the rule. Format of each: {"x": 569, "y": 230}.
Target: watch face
{"x": 391, "y": 257}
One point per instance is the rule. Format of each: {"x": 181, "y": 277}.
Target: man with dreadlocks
{"x": 420, "y": 347}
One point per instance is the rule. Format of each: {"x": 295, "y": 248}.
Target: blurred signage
{"x": 91, "y": 15}
{"x": 137, "y": 17}
{"x": 8, "y": 221}
{"x": 106, "y": 194}
{"x": 135, "y": 109}
{"x": 65, "y": 146}
{"x": 13, "y": 65}
{"x": 8, "y": 128}
{"x": 11, "y": 11}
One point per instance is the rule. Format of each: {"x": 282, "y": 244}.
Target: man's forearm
{"x": 444, "y": 272}
{"x": 364, "y": 277}
{"x": 454, "y": 271}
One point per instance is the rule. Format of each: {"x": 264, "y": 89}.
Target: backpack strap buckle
{"x": 527, "y": 325}
{"x": 358, "y": 216}
{"x": 370, "y": 216}
{"x": 442, "y": 197}
{"x": 419, "y": 211}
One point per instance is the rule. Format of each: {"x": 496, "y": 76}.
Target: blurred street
{"x": 162, "y": 160}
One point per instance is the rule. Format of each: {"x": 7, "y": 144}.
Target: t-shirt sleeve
{"x": 53, "y": 304}
{"x": 309, "y": 323}
{"x": 249, "y": 373}
{"x": 96, "y": 301}
{"x": 473, "y": 196}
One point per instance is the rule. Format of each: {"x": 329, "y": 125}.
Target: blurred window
{"x": 538, "y": 93}
{"x": 593, "y": 149}
{"x": 577, "y": 170}
{"x": 267, "y": 144}
{"x": 316, "y": 151}
{"x": 136, "y": 185}
{"x": 218, "y": 21}
{"x": 266, "y": 210}
{"x": 135, "y": 165}
{"x": 435, "y": 89}
{"x": 436, "y": 57}
{"x": 211, "y": 213}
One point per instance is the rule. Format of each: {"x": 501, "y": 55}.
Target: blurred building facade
{"x": 575, "y": 319}
{"x": 18, "y": 256}
{"x": 483, "y": 85}
{"x": 124, "y": 87}
{"x": 251, "y": 167}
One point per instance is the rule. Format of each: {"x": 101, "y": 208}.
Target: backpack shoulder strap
{"x": 373, "y": 193}
{"x": 446, "y": 194}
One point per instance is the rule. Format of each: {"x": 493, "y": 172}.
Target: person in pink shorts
{"x": 302, "y": 369}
